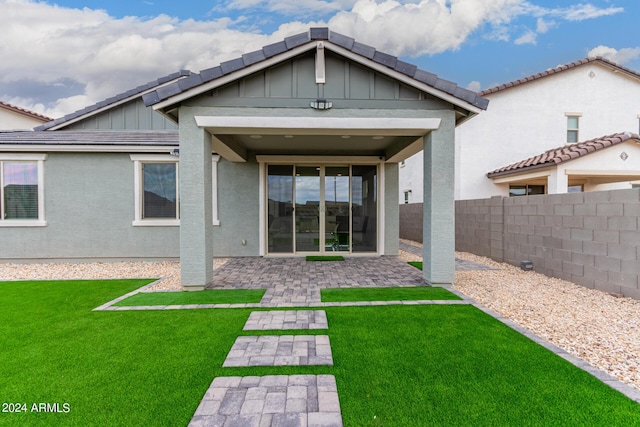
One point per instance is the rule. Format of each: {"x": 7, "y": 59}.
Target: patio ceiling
{"x": 393, "y": 139}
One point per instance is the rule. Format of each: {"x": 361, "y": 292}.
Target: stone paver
{"x": 270, "y": 401}
{"x": 289, "y": 319}
{"x": 280, "y": 350}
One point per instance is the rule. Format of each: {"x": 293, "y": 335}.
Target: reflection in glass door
{"x": 307, "y": 212}
{"x": 322, "y": 209}
{"x": 337, "y": 212}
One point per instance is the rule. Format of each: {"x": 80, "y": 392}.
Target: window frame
{"x": 527, "y": 189}
{"x": 24, "y": 158}
{"x": 139, "y": 160}
{"x": 570, "y": 130}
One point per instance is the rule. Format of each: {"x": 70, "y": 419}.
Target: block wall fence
{"x": 591, "y": 239}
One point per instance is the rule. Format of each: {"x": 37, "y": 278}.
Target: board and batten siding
{"x": 132, "y": 115}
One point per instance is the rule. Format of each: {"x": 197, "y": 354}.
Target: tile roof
{"x": 96, "y": 138}
{"x": 24, "y": 111}
{"x": 565, "y": 153}
{"x": 559, "y": 69}
{"x": 114, "y": 99}
{"x": 289, "y": 43}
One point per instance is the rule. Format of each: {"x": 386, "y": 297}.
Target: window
{"x": 525, "y": 190}
{"x": 157, "y": 195}
{"x": 22, "y": 190}
{"x": 406, "y": 196}
{"x": 573, "y": 126}
{"x": 157, "y": 201}
{"x": 575, "y": 188}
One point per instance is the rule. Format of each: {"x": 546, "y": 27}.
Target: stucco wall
{"x": 238, "y": 208}
{"x": 89, "y": 209}
{"x": 529, "y": 119}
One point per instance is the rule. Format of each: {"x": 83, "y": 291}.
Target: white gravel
{"x": 593, "y": 325}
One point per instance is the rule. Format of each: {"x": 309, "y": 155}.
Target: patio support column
{"x": 439, "y": 206}
{"x": 196, "y": 230}
{"x": 558, "y": 182}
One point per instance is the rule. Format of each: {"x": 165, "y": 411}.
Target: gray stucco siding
{"x": 133, "y": 115}
{"x": 292, "y": 84}
{"x": 89, "y": 209}
{"x": 238, "y": 209}
{"x": 391, "y": 210}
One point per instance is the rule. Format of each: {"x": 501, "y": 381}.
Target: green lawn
{"x": 386, "y": 294}
{"x": 325, "y": 258}
{"x": 416, "y": 264}
{"x": 403, "y": 365}
{"x": 219, "y": 296}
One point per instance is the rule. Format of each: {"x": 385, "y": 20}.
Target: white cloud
{"x": 529, "y": 37}
{"x": 474, "y": 86}
{"x": 426, "y": 27}
{"x": 621, "y": 56}
{"x": 543, "y": 26}
{"x": 98, "y": 56}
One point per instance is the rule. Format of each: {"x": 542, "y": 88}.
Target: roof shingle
{"x": 558, "y": 155}
{"x": 559, "y": 69}
{"x": 119, "y": 97}
{"x": 24, "y": 111}
{"x": 345, "y": 42}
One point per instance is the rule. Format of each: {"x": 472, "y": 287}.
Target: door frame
{"x": 323, "y": 161}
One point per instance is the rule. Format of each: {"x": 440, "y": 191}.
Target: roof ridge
{"x": 565, "y": 153}
{"x": 315, "y": 33}
{"x": 559, "y": 69}
{"x": 116, "y": 98}
{"x": 24, "y": 111}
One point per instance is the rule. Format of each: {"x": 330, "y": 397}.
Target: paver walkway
{"x": 270, "y": 401}
{"x": 289, "y": 319}
{"x": 280, "y": 350}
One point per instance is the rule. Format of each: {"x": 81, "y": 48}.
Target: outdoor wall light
{"x": 321, "y": 104}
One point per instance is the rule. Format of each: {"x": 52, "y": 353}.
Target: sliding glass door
{"x": 322, "y": 209}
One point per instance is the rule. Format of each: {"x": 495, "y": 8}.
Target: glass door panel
{"x": 337, "y": 212}
{"x": 280, "y": 210}
{"x": 364, "y": 190}
{"x": 307, "y": 209}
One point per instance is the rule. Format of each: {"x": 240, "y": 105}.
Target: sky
{"x": 59, "y": 56}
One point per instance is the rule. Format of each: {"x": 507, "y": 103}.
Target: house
{"x": 289, "y": 150}
{"x": 605, "y": 160}
{"x": 578, "y": 102}
{"x": 13, "y": 117}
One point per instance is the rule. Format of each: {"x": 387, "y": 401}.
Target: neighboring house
{"x": 572, "y": 167}
{"x": 18, "y": 118}
{"x": 287, "y": 151}
{"x": 581, "y": 101}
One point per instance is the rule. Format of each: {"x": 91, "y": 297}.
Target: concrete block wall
{"x": 411, "y": 221}
{"x": 592, "y": 239}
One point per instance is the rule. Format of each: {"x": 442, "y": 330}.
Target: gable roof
{"x": 118, "y": 99}
{"x": 24, "y": 111}
{"x": 550, "y": 72}
{"x": 390, "y": 62}
{"x": 566, "y": 153}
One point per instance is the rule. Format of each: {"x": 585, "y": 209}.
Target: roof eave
{"x": 171, "y": 101}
